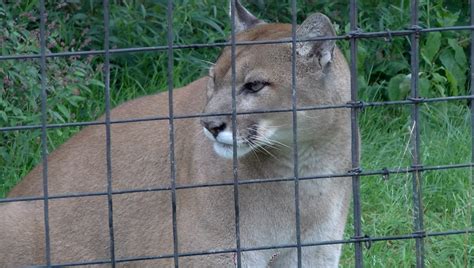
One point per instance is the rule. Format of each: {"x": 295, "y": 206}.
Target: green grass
{"x": 76, "y": 94}
{"x": 387, "y": 204}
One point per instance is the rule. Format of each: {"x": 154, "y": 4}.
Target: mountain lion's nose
{"x": 215, "y": 127}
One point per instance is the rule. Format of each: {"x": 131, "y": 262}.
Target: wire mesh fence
{"x": 359, "y": 239}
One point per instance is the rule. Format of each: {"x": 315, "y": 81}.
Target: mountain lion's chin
{"x": 226, "y": 150}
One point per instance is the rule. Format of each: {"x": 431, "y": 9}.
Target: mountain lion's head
{"x": 263, "y": 81}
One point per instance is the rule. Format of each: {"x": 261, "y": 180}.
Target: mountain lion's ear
{"x": 316, "y": 25}
{"x": 243, "y": 18}
{"x": 210, "y": 82}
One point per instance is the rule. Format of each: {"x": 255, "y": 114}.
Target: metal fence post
{"x": 415, "y": 141}
{"x": 294, "y": 97}
{"x": 171, "y": 119}
{"x": 471, "y": 104}
{"x": 355, "y": 150}
{"x": 235, "y": 163}
{"x": 44, "y": 121}
{"x": 108, "y": 131}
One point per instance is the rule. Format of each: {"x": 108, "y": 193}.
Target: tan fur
{"x": 205, "y": 216}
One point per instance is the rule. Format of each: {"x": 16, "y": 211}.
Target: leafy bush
{"x": 69, "y": 80}
{"x": 443, "y": 64}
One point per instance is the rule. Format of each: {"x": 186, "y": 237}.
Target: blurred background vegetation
{"x": 75, "y": 94}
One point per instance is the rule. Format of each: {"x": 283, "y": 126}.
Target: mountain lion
{"x": 142, "y": 221}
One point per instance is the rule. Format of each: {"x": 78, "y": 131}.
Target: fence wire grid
{"x": 359, "y": 239}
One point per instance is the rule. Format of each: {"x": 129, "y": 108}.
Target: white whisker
{"x": 254, "y": 150}
{"x": 261, "y": 148}
{"x": 268, "y": 144}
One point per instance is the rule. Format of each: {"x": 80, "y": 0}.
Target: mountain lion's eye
{"x": 255, "y": 86}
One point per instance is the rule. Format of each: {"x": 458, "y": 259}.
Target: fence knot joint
{"x": 417, "y": 168}
{"x": 354, "y": 34}
{"x": 385, "y": 174}
{"x": 364, "y": 238}
{"x": 356, "y": 104}
{"x": 355, "y": 171}
{"x": 419, "y": 234}
{"x": 389, "y": 37}
{"x": 416, "y": 29}
{"x": 416, "y": 100}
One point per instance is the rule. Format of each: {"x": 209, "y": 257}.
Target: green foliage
{"x": 385, "y": 66}
{"x": 75, "y": 84}
{"x": 68, "y": 81}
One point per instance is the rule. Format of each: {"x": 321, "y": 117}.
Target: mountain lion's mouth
{"x": 227, "y": 150}
{"x": 257, "y": 137}
{"x": 223, "y": 145}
